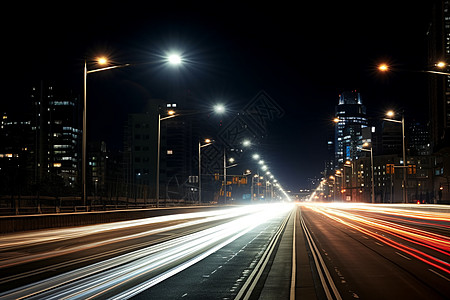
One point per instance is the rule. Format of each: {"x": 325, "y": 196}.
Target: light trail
{"x": 30, "y": 239}
{"x": 406, "y": 238}
{"x": 131, "y": 273}
{"x": 52, "y": 235}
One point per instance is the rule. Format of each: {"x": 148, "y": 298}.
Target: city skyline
{"x": 232, "y": 55}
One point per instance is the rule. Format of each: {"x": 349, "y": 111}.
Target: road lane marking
{"x": 381, "y": 245}
{"x": 294, "y": 261}
{"x": 249, "y": 285}
{"x": 405, "y": 257}
{"x": 439, "y": 274}
{"x": 320, "y": 266}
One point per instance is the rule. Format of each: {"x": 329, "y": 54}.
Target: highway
{"x": 221, "y": 252}
{"x": 363, "y": 251}
{"x": 274, "y": 251}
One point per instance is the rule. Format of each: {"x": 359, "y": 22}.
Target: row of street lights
{"x": 274, "y": 182}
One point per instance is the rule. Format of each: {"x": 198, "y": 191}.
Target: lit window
{"x": 169, "y": 152}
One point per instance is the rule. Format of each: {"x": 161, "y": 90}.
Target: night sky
{"x": 302, "y": 56}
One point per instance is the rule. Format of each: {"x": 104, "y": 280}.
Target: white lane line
{"x": 294, "y": 262}
{"x": 405, "y": 257}
{"x": 433, "y": 271}
{"x": 321, "y": 266}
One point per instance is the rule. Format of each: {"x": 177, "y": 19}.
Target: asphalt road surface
{"x": 378, "y": 252}
{"x": 277, "y": 251}
{"x": 209, "y": 255}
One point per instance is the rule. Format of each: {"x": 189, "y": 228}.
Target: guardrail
{"x": 25, "y": 205}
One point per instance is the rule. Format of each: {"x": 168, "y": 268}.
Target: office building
{"x": 178, "y": 147}
{"x": 351, "y": 116}
{"x": 57, "y": 134}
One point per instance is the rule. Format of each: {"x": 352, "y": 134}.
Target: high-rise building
{"x": 418, "y": 139}
{"x": 56, "y": 132}
{"x": 351, "y": 115}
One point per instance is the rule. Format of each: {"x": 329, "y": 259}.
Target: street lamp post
{"x": 173, "y": 59}
{"x": 225, "y": 167}
{"x": 101, "y": 61}
{"x": 224, "y": 176}
{"x": 349, "y": 164}
{"x": 200, "y": 146}
{"x": 173, "y": 115}
{"x": 158, "y": 155}
{"x": 391, "y": 114}
{"x": 371, "y": 170}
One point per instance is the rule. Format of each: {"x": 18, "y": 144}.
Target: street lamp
{"x": 219, "y": 108}
{"x": 383, "y": 67}
{"x": 391, "y": 114}
{"x": 173, "y": 59}
{"x": 208, "y": 142}
{"x": 171, "y": 114}
{"x": 100, "y": 61}
{"x": 371, "y": 168}
{"x": 386, "y": 68}
{"x": 225, "y": 167}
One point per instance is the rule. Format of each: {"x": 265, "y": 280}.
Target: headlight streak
{"x": 147, "y": 266}
{"x": 434, "y": 241}
{"x": 371, "y": 227}
{"x": 216, "y": 215}
{"x": 52, "y": 235}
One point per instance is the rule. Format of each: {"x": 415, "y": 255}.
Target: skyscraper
{"x": 56, "y": 131}
{"x": 351, "y": 114}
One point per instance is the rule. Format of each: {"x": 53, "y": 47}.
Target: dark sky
{"x": 303, "y": 56}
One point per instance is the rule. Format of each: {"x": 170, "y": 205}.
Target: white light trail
{"x": 148, "y": 266}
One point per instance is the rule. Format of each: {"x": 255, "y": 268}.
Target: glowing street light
{"x": 172, "y": 114}
{"x": 441, "y": 64}
{"x": 207, "y": 142}
{"x": 102, "y": 60}
{"x": 219, "y": 108}
{"x": 391, "y": 114}
{"x": 246, "y": 143}
{"x": 174, "y": 59}
{"x": 383, "y": 67}
{"x": 365, "y": 145}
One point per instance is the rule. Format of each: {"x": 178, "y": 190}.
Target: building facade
{"x": 57, "y": 133}
{"x": 178, "y": 152}
{"x": 438, "y": 37}
{"x": 351, "y": 119}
